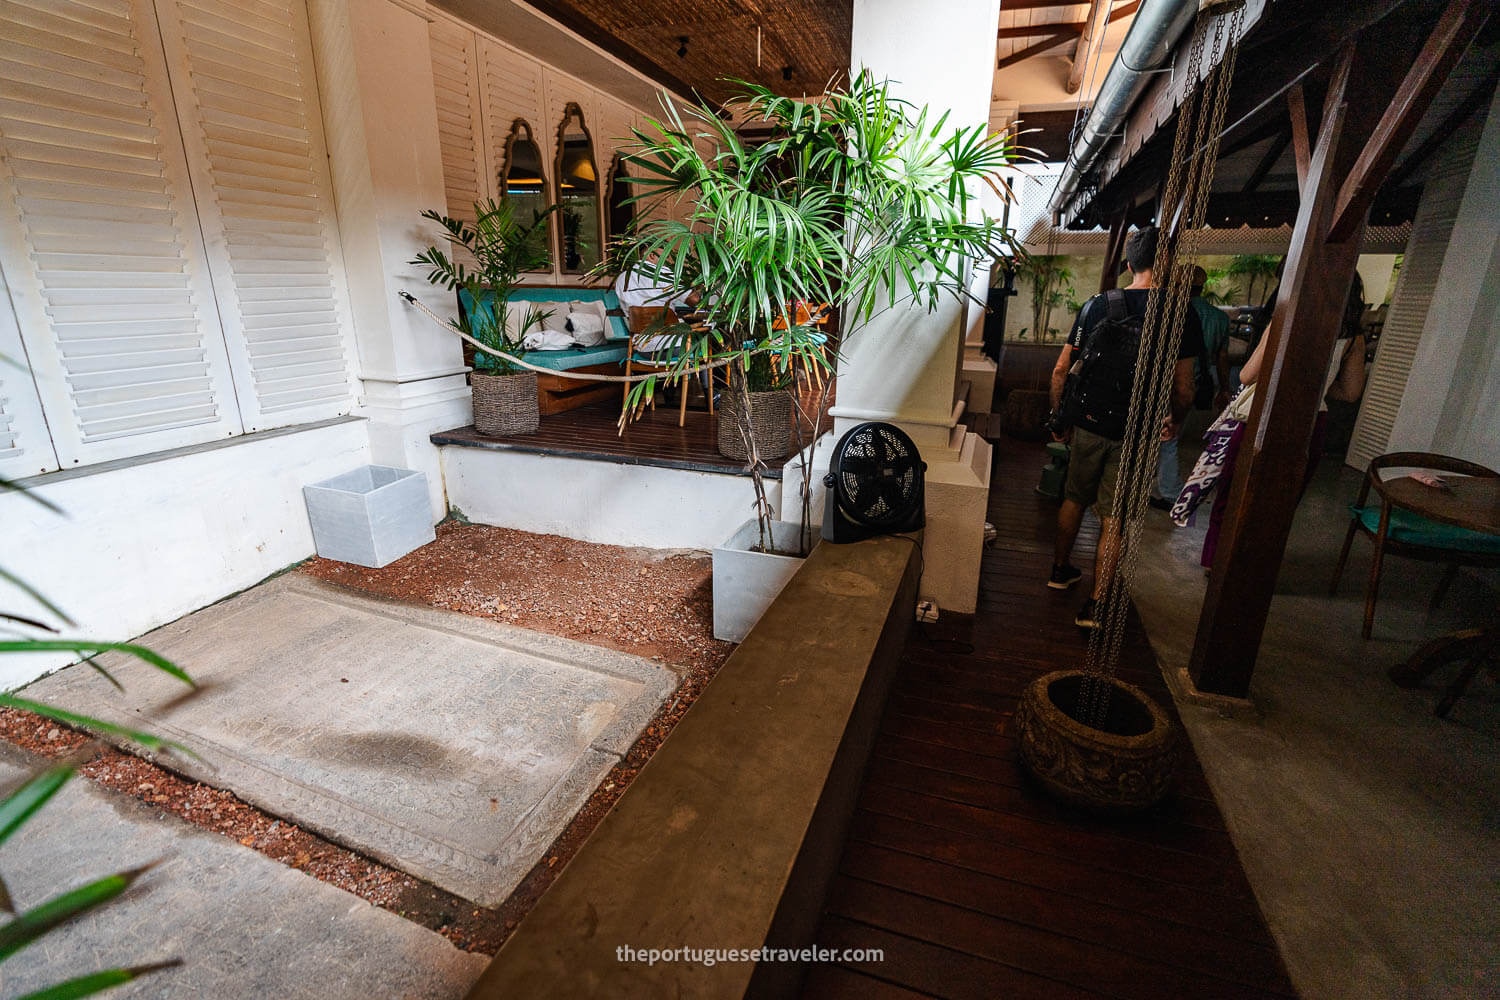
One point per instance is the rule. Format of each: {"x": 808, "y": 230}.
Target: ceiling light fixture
{"x": 682, "y": 49}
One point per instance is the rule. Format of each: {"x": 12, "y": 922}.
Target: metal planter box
{"x": 746, "y": 582}
{"x": 371, "y": 516}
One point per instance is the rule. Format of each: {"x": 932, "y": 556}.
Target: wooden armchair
{"x": 638, "y": 320}
{"x": 1397, "y": 531}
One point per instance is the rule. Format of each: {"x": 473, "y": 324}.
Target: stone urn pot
{"x": 1124, "y": 763}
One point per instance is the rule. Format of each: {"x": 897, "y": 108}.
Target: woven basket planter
{"x": 770, "y": 424}
{"x": 505, "y": 404}
{"x": 1124, "y": 764}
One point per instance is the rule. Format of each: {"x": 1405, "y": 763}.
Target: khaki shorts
{"x": 1093, "y": 467}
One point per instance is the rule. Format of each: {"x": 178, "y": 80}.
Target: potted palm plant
{"x": 859, "y": 200}
{"x": 502, "y": 248}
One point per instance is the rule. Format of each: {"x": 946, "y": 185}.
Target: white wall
{"x": 605, "y": 502}
{"x": 145, "y": 543}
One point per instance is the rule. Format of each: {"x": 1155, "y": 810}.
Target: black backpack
{"x": 1102, "y": 378}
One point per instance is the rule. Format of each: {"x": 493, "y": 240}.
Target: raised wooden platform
{"x": 590, "y": 433}
{"x": 977, "y": 885}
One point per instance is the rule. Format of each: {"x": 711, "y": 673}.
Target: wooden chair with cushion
{"x": 639, "y": 320}
{"x": 1400, "y": 532}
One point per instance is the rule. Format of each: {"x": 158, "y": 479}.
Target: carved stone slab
{"x": 447, "y": 746}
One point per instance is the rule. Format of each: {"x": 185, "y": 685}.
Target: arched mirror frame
{"x": 520, "y": 131}
{"x": 572, "y": 110}
{"x": 615, "y": 190}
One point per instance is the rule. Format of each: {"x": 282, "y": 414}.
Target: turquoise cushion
{"x": 1414, "y": 529}
{"x": 616, "y": 331}
{"x": 578, "y": 357}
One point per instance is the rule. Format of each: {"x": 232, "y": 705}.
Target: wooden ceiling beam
{"x": 1036, "y": 48}
{"x": 1480, "y": 98}
{"x": 1459, "y": 23}
{"x": 1273, "y": 154}
{"x": 1010, "y": 5}
{"x": 1093, "y": 29}
{"x": 1032, "y": 30}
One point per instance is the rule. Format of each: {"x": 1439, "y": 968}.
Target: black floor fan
{"x": 875, "y": 485}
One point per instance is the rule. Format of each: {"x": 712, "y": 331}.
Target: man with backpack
{"x": 1091, "y": 392}
{"x": 1210, "y": 374}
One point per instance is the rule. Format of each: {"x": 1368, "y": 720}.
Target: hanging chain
{"x": 1189, "y": 177}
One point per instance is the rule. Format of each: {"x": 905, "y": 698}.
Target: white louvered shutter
{"x": 510, "y": 88}
{"x": 98, "y": 237}
{"x": 248, "y": 106}
{"x": 1416, "y": 285}
{"x": 25, "y": 447}
{"x": 455, "y": 74}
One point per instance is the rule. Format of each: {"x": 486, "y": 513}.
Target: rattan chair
{"x": 1398, "y": 532}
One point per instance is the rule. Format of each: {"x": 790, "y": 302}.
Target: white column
{"x": 375, "y": 75}
{"x": 906, "y": 365}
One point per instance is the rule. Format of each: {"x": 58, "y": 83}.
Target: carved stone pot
{"x": 1123, "y": 764}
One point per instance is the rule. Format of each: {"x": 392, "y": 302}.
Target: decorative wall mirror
{"x": 620, "y": 214}
{"x": 579, "y": 210}
{"x": 522, "y": 181}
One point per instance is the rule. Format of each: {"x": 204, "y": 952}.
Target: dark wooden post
{"x": 1114, "y": 246}
{"x": 1380, "y": 86}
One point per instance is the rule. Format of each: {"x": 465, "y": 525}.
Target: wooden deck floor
{"x": 590, "y": 433}
{"x": 975, "y": 884}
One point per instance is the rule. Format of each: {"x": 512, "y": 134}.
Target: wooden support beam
{"x": 1114, "y": 246}
{"x": 1459, "y": 23}
{"x": 1272, "y": 457}
{"x": 1272, "y": 462}
{"x": 1480, "y": 98}
{"x": 1273, "y": 154}
{"x": 1296, "y": 106}
{"x": 1093, "y": 30}
{"x": 1036, "y": 48}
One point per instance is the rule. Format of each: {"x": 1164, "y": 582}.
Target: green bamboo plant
{"x": 857, "y": 199}
{"x": 22, "y": 634}
{"x": 1051, "y": 286}
{"x": 502, "y": 248}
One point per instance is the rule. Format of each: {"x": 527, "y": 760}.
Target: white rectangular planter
{"x": 371, "y": 516}
{"x": 746, "y": 582}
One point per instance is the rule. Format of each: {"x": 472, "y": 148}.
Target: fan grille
{"x": 878, "y": 474}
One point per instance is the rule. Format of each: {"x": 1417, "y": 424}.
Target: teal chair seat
{"x": 1414, "y": 529}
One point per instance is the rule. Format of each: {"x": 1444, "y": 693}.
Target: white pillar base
{"x": 957, "y": 494}
{"x": 404, "y": 415}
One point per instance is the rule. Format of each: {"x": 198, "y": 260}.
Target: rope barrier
{"x": 576, "y": 376}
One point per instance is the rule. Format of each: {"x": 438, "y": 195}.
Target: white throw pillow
{"x": 587, "y": 328}
{"x": 548, "y": 340}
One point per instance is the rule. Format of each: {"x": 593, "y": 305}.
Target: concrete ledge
{"x": 730, "y": 835}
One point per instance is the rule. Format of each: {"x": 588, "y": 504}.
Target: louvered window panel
{"x": 247, "y": 101}
{"x": 511, "y": 85}
{"x": 25, "y": 447}
{"x": 105, "y": 267}
{"x": 1416, "y": 286}
{"x": 455, "y": 74}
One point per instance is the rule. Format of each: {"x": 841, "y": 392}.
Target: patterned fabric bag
{"x": 1211, "y": 463}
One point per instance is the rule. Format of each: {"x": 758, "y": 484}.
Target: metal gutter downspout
{"x": 1147, "y": 47}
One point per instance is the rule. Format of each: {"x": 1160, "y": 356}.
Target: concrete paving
{"x": 1368, "y": 827}
{"x": 244, "y": 925}
{"x": 447, "y": 746}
